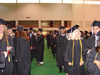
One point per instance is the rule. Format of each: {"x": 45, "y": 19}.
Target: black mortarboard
{"x": 31, "y": 28}
{"x": 14, "y": 30}
{"x": 40, "y": 29}
{"x": 2, "y": 22}
{"x": 69, "y": 31}
{"x": 96, "y": 23}
{"x": 19, "y": 28}
{"x": 61, "y": 27}
{"x": 74, "y": 28}
{"x": 34, "y": 30}
{"x": 25, "y": 29}
{"x": 9, "y": 27}
{"x": 86, "y": 31}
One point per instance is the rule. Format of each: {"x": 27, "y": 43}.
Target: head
{"x": 2, "y": 28}
{"x": 69, "y": 35}
{"x": 54, "y": 35}
{"x": 62, "y": 31}
{"x": 10, "y": 32}
{"x": 76, "y": 34}
{"x": 96, "y": 29}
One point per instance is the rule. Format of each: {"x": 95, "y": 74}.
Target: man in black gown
{"x": 61, "y": 48}
{"x": 39, "y": 47}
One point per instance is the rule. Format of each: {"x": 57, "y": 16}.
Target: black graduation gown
{"x": 54, "y": 43}
{"x": 90, "y": 43}
{"x": 23, "y": 57}
{"x": 61, "y": 49}
{"x": 32, "y": 43}
{"x": 39, "y": 48}
{"x": 48, "y": 40}
{"x": 90, "y": 66}
{"x": 8, "y": 70}
{"x": 76, "y": 69}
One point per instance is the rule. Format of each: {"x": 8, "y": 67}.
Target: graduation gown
{"x": 48, "y": 41}
{"x": 39, "y": 48}
{"x": 8, "y": 69}
{"x": 90, "y": 43}
{"x": 54, "y": 43}
{"x": 23, "y": 57}
{"x": 90, "y": 66}
{"x": 32, "y": 43}
{"x": 61, "y": 49}
{"x": 76, "y": 69}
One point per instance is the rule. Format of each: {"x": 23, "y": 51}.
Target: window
{"x": 7, "y": 1}
{"x": 50, "y": 1}
{"x": 27, "y": 1}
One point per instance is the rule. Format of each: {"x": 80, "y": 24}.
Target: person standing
{"x": 23, "y": 57}
{"x": 61, "y": 48}
{"x": 39, "y": 47}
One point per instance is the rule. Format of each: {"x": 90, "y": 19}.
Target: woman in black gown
{"x": 23, "y": 57}
{"x": 74, "y": 53}
{"x": 6, "y": 51}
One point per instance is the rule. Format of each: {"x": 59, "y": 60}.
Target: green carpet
{"x": 49, "y": 67}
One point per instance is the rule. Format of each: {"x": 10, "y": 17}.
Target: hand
{"x": 5, "y": 52}
{"x": 9, "y": 48}
{"x": 70, "y": 64}
{"x": 89, "y": 51}
{"x": 16, "y": 60}
{"x": 54, "y": 45}
{"x": 31, "y": 47}
{"x": 97, "y": 63}
{"x": 81, "y": 63}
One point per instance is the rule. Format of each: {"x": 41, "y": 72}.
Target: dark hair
{"x": 22, "y": 34}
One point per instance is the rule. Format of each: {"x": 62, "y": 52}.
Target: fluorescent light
{"x": 67, "y": 1}
{"x": 50, "y": 1}
{"x": 92, "y": 2}
{"x": 27, "y": 1}
{"x": 7, "y": 1}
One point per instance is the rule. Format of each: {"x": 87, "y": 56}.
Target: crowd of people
{"x": 71, "y": 49}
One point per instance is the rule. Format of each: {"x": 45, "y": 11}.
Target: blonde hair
{"x": 5, "y": 34}
{"x": 74, "y": 36}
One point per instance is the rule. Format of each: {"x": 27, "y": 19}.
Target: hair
{"x": 5, "y": 34}
{"x": 23, "y": 35}
{"x": 74, "y": 36}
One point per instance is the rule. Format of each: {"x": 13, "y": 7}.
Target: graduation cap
{"x": 2, "y": 22}
{"x": 31, "y": 28}
{"x": 86, "y": 31}
{"x": 40, "y": 29}
{"x": 19, "y": 28}
{"x": 34, "y": 30}
{"x": 74, "y": 27}
{"x": 25, "y": 29}
{"x": 9, "y": 27}
{"x": 14, "y": 30}
{"x": 61, "y": 27}
{"x": 69, "y": 31}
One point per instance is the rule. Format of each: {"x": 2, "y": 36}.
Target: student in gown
{"x": 23, "y": 57}
{"x": 13, "y": 37}
{"x": 90, "y": 42}
{"x": 54, "y": 43}
{"x": 74, "y": 53}
{"x": 48, "y": 39}
{"x": 7, "y": 49}
{"x": 69, "y": 37}
{"x": 93, "y": 59}
{"x": 61, "y": 48}
{"x": 39, "y": 47}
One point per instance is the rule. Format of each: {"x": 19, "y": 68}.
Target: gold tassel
{"x": 8, "y": 52}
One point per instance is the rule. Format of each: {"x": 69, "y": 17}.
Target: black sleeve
{"x": 90, "y": 66}
{"x": 39, "y": 38}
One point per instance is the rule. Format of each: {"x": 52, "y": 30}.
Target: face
{"x": 96, "y": 29}
{"x": 77, "y": 32}
{"x": 54, "y": 35}
{"x": 39, "y": 32}
{"x": 1, "y": 28}
{"x": 62, "y": 31}
{"x": 69, "y": 35}
{"x": 10, "y": 31}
